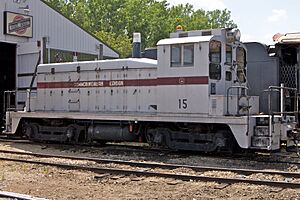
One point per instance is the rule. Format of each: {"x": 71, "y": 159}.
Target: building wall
{"x": 55, "y": 33}
{"x": 61, "y": 32}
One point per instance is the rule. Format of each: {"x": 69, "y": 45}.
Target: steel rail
{"x": 10, "y": 137}
{"x": 117, "y": 171}
{"x": 142, "y": 149}
{"x": 146, "y": 150}
{"x": 18, "y": 196}
{"x": 159, "y": 165}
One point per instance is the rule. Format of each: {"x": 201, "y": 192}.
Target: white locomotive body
{"x": 194, "y": 97}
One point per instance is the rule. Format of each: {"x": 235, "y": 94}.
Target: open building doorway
{"x": 7, "y": 74}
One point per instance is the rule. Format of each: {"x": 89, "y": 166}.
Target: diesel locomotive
{"x": 206, "y": 91}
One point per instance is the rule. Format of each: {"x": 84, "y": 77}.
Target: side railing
{"x": 238, "y": 95}
{"x": 9, "y": 97}
{"x": 9, "y": 104}
{"x": 283, "y": 114}
{"x": 281, "y": 89}
{"x": 9, "y": 101}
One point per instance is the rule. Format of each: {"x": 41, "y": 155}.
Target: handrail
{"x": 227, "y": 97}
{"x": 7, "y": 99}
{"x": 32, "y": 80}
{"x": 276, "y": 89}
{"x": 7, "y": 106}
{"x": 280, "y": 89}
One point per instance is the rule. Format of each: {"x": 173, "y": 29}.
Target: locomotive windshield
{"x": 228, "y": 54}
{"x": 241, "y": 64}
{"x": 215, "y": 60}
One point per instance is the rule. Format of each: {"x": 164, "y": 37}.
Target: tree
{"x": 220, "y": 18}
{"x": 57, "y": 4}
{"x": 149, "y": 17}
{"x": 120, "y": 43}
{"x": 198, "y": 20}
{"x": 105, "y": 15}
{"x": 115, "y": 21}
{"x": 179, "y": 15}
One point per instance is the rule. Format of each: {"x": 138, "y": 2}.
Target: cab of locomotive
{"x": 228, "y": 84}
{"x": 211, "y": 69}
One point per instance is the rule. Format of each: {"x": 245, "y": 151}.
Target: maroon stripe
{"x": 194, "y": 80}
{"x": 183, "y": 80}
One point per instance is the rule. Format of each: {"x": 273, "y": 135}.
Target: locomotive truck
{"x": 202, "y": 93}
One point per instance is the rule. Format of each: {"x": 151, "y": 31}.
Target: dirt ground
{"x": 54, "y": 183}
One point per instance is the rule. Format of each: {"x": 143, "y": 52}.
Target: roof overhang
{"x": 289, "y": 38}
{"x": 184, "y": 40}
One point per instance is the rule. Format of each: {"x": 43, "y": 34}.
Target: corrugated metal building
{"x": 30, "y": 27}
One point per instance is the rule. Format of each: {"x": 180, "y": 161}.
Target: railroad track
{"x": 157, "y": 170}
{"x": 12, "y": 195}
{"x": 13, "y": 139}
{"x": 111, "y": 147}
{"x": 123, "y": 148}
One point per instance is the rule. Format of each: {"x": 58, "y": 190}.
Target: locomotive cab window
{"x": 215, "y": 60}
{"x": 175, "y": 55}
{"x": 188, "y": 55}
{"x": 182, "y": 55}
{"x": 228, "y": 76}
{"x": 241, "y": 64}
{"x": 228, "y": 55}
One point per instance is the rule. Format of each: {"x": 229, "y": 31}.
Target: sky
{"x": 258, "y": 20}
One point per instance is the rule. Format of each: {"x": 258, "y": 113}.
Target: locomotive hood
{"x": 99, "y": 65}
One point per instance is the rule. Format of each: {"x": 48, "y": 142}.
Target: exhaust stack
{"x": 136, "y": 45}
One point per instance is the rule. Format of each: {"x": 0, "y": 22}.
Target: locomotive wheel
{"x": 156, "y": 136}
{"x": 231, "y": 145}
{"x": 149, "y": 138}
{"x": 72, "y": 133}
{"x": 31, "y": 131}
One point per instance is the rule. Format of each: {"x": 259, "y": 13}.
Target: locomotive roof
{"x": 182, "y": 40}
{"x": 287, "y": 38}
{"x": 102, "y": 64}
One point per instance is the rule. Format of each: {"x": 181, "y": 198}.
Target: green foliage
{"x": 147, "y": 17}
{"x": 115, "y": 21}
{"x": 220, "y": 18}
{"x": 120, "y": 43}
